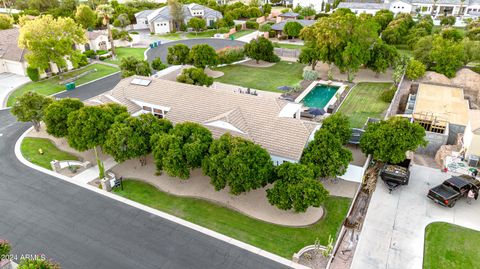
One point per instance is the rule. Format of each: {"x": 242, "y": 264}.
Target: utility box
{"x": 70, "y": 86}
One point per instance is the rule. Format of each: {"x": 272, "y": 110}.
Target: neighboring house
{"x": 9, "y": 11}
{"x": 97, "y": 40}
{"x": 278, "y": 27}
{"x": 12, "y": 58}
{"x": 159, "y": 21}
{"x": 471, "y": 137}
{"x": 317, "y": 4}
{"x": 424, "y": 7}
{"x": 270, "y": 122}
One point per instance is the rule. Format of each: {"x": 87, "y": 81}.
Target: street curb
{"x": 156, "y": 212}
{"x": 5, "y": 101}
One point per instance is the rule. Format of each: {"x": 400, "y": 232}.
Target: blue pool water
{"x": 319, "y": 96}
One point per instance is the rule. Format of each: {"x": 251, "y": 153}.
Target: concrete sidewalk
{"x": 394, "y": 228}
{"x": 249, "y": 37}
{"x": 8, "y": 83}
{"x": 92, "y": 173}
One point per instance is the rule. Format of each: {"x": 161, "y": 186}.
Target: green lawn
{"x": 31, "y": 145}
{"x": 204, "y": 34}
{"x": 242, "y": 33}
{"x": 171, "y": 36}
{"x": 51, "y": 86}
{"x": 262, "y": 78}
{"x": 125, "y": 52}
{"x": 280, "y": 240}
{"x": 288, "y": 46}
{"x": 363, "y": 102}
{"x": 449, "y": 246}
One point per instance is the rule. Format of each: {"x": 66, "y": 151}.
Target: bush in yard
{"x": 121, "y": 35}
{"x": 37, "y": 263}
{"x": 158, "y": 65}
{"x": 415, "y": 69}
{"x": 266, "y": 28}
{"x": 237, "y": 163}
{"x": 238, "y": 27}
{"x": 389, "y": 140}
{"x": 254, "y": 12}
{"x": 130, "y": 138}
{"x": 387, "y": 95}
{"x": 251, "y": 25}
{"x": 451, "y": 34}
{"x": 203, "y": 55}
{"x": 178, "y": 54}
{"x": 338, "y": 124}
{"x": 309, "y": 55}
{"x": 447, "y": 20}
{"x": 230, "y": 55}
{"x": 292, "y": 28}
{"x": 329, "y": 165}
{"x": 4, "y": 248}
{"x": 223, "y": 30}
{"x": 33, "y": 73}
{"x": 197, "y": 24}
{"x": 310, "y": 75}
{"x": 90, "y": 54}
{"x": 296, "y": 187}
{"x": 56, "y": 115}
{"x": 6, "y": 22}
{"x": 132, "y": 66}
{"x": 30, "y": 107}
{"x": 195, "y": 76}
{"x": 261, "y": 49}
{"x": 182, "y": 149}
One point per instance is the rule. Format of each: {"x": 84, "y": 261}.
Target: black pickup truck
{"x": 452, "y": 189}
{"x": 395, "y": 175}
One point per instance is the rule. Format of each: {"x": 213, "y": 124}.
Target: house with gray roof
{"x": 278, "y": 27}
{"x": 12, "y": 58}
{"x": 159, "y": 21}
{"x": 272, "y": 123}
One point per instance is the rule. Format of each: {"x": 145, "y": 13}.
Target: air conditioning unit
{"x": 473, "y": 160}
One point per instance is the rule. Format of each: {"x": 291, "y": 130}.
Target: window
{"x": 146, "y": 22}
{"x": 146, "y": 108}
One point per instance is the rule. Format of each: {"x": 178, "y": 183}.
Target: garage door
{"x": 14, "y": 67}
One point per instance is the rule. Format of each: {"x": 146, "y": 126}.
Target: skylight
{"x": 141, "y": 82}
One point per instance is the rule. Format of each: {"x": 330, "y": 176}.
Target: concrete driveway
{"x": 393, "y": 232}
{"x": 8, "y": 83}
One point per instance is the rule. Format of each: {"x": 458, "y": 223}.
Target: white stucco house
{"x": 317, "y": 4}
{"x": 159, "y": 21}
{"x": 424, "y": 7}
{"x": 12, "y": 58}
{"x": 97, "y": 40}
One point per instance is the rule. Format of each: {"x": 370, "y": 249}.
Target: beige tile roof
{"x": 446, "y": 103}
{"x": 9, "y": 49}
{"x": 474, "y": 120}
{"x": 254, "y": 115}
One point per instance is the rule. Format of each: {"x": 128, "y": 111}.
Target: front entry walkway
{"x": 393, "y": 233}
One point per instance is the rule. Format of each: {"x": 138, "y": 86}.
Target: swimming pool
{"x": 320, "y": 95}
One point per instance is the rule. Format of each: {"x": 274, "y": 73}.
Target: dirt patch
{"x": 213, "y": 73}
{"x": 314, "y": 259}
{"x": 253, "y": 63}
{"x": 434, "y": 77}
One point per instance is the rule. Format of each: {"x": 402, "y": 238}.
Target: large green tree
{"x": 176, "y": 13}
{"x": 85, "y": 16}
{"x": 195, "y": 76}
{"x": 339, "y": 125}
{"x": 132, "y": 66}
{"x": 309, "y": 55}
{"x": 106, "y": 13}
{"x": 389, "y": 140}
{"x": 30, "y": 108}
{"x": 237, "y": 163}
{"x": 260, "y": 49}
{"x": 182, "y": 149}
{"x": 383, "y": 17}
{"x": 292, "y": 28}
{"x": 382, "y": 56}
{"x": 203, "y": 55}
{"x": 178, "y": 54}
{"x": 130, "y": 138}
{"x": 415, "y": 69}
{"x": 296, "y": 187}
{"x": 447, "y": 55}
{"x": 51, "y": 40}
{"x": 326, "y": 155}
{"x": 56, "y": 115}
{"x": 197, "y": 24}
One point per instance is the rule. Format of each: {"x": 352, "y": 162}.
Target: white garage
{"x": 13, "y": 67}
{"x": 11, "y": 56}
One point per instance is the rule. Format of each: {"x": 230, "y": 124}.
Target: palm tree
{"x": 460, "y": 9}
{"x": 106, "y": 11}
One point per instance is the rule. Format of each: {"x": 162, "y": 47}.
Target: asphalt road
{"x": 40, "y": 214}
{"x": 217, "y": 44}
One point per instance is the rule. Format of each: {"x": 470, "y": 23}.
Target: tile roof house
{"x": 159, "y": 21}
{"x": 270, "y": 122}
{"x": 12, "y": 58}
{"x": 278, "y": 27}
{"x": 97, "y": 40}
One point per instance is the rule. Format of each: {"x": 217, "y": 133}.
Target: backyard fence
{"x": 288, "y": 53}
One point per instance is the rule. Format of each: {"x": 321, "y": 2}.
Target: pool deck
{"x": 312, "y": 85}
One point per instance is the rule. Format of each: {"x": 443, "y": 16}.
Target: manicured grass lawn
{"x": 30, "y": 146}
{"x": 171, "y": 36}
{"x": 450, "y": 246}
{"x": 363, "y": 102}
{"x": 51, "y": 86}
{"x": 204, "y": 34}
{"x": 281, "y": 240}
{"x": 242, "y": 33}
{"x": 288, "y": 46}
{"x": 125, "y": 52}
{"x": 262, "y": 78}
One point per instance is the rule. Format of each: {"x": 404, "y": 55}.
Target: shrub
{"x": 134, "y": 33}
{"x": 183, "y": 27}
{"x": 37, "y": 263}
{"x": 89, "y": 53}
{"x": 265, "y": 28}
{"x": 158, "y": 65}
{"x": 132, "y": 66}
{"x": 33, "y": 73}
{"x": 238, "y": 27}
{"x": 4, "y": 248}
{"x": 252, "y": 25}
{"x": 230, "y": 55}
{"x": 195, "y": 76}
{"x": 272, "y": 34}
{"x": 387, "y": 95}
{"x": 223, "y": 30}
{"x": 448, "y": 20}
{"x": 327, "y": 8}
{"x": 310, "y": 75}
